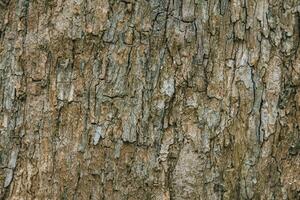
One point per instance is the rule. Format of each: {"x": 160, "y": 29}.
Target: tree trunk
{"x": 149, "y": 99}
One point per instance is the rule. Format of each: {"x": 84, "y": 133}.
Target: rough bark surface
{"x": 149, "y": 99}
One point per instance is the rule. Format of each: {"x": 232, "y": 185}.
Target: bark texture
{"x": 149, "y": 99}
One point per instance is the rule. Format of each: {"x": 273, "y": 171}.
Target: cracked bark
{"x": 157, "y": 99}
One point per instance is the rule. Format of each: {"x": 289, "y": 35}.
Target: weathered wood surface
{"x": 149, "y": 99}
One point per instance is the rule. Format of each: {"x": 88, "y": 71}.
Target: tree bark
{"x": 149, "y": 99}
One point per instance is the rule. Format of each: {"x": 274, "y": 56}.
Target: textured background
{"x": 149, "y": 99}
